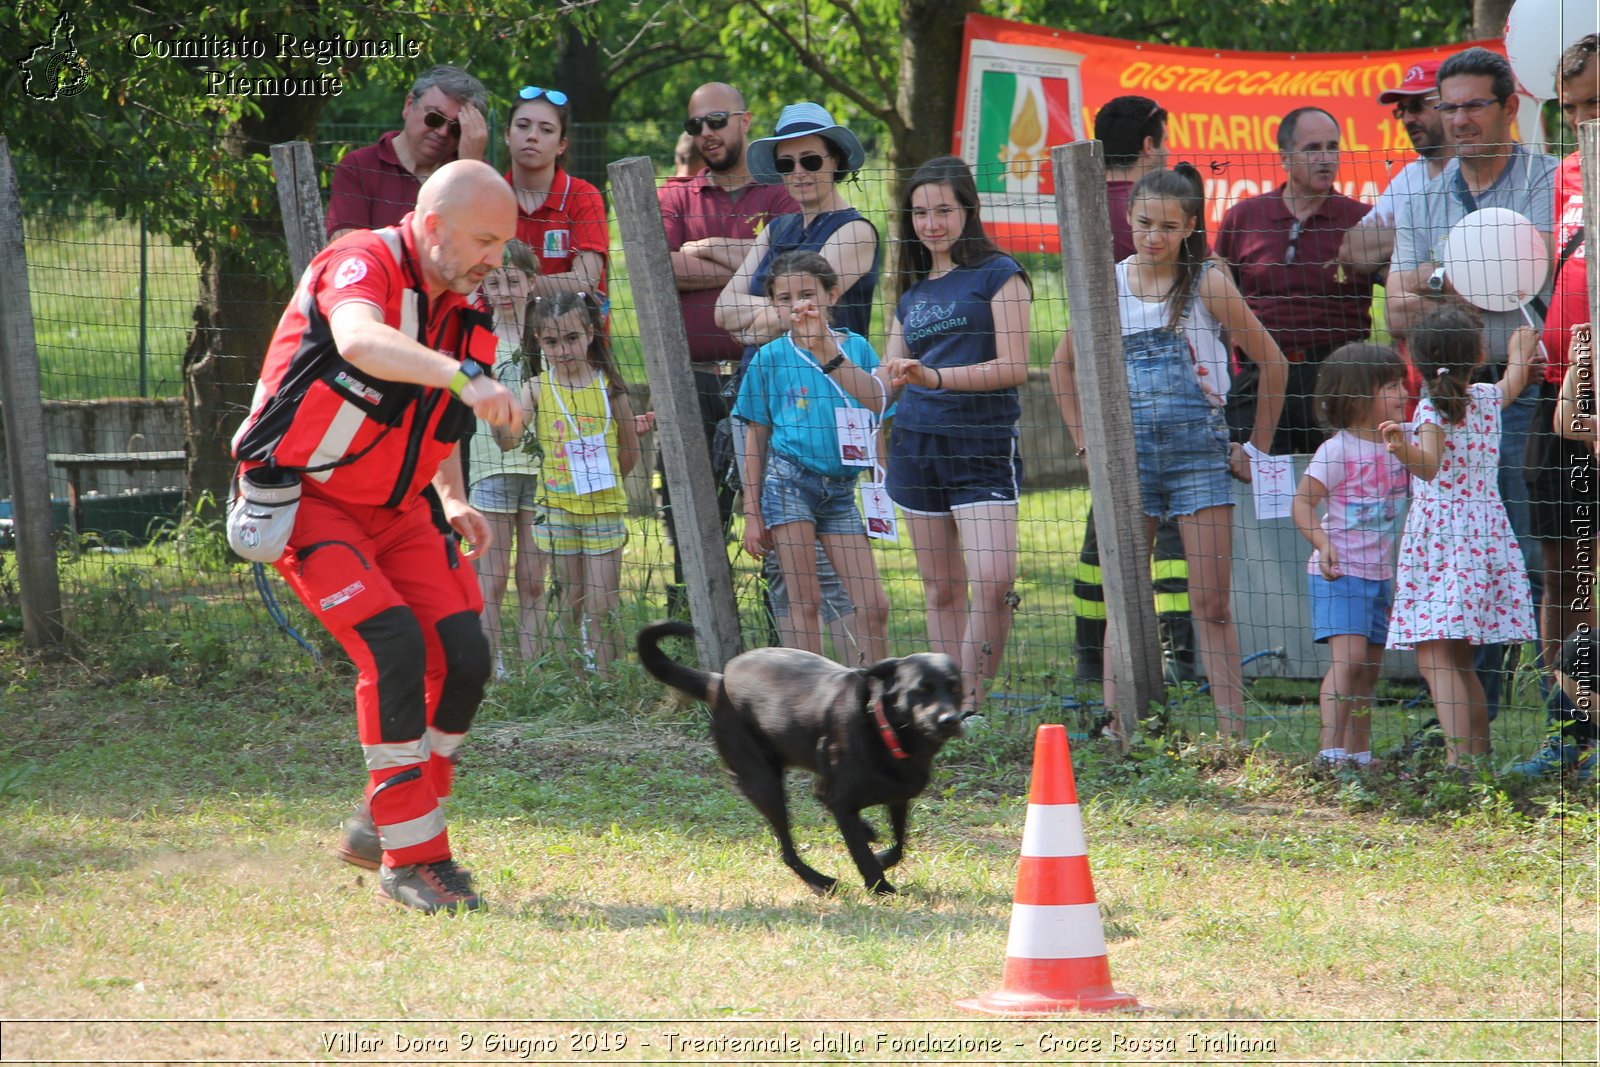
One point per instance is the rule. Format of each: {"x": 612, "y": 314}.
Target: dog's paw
{"x": 884, "y": 889}
{"x": 824, "y": 888}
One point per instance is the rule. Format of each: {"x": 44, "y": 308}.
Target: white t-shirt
{"x": 1203, "y": 331}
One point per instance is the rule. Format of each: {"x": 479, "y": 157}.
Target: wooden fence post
{"x": 672, "y": 391}
{"x": 300, "y": 202}
{"x": 38, "y": 580}
{"x": 1086, "y": 262}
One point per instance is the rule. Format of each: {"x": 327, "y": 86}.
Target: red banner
{"x": 1024, "y": 89}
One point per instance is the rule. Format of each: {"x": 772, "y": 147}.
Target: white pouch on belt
{"x": 261, "y": 516}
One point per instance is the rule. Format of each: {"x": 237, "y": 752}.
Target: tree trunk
{"x": 1489, "y": 18}
{"x": 930, "y": 55}
{"x": 238, "y": 309}
{"x": 581, "y": 72}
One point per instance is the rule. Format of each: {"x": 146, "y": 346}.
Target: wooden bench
{"x": 73, "y": 464}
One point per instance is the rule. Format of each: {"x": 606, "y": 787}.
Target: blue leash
{"x": 275, "y": 610}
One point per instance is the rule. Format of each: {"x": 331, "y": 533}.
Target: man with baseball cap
{"x": 1368, "y": 245}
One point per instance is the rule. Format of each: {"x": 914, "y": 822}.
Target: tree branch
{"x": 874, "y": 63}
{"x": 884, "y": 112}
{"x": 621, "y": 83}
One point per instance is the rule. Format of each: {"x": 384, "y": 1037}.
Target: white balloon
{"x": 1538, "y": 31}
{"x": 1496, "y": 259}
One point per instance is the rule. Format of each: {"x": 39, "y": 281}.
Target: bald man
{"x": 374, "y": 377}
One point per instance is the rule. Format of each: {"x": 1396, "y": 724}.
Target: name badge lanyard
{"x": 855, "y": 426}
{"x": 588, "y": 456}
{"x": 877, "y": 510}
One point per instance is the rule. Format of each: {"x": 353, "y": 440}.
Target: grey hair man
{"x": 444, "y": 118}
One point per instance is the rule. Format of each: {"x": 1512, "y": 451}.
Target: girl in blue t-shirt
{"x": 810, "y": 405}
{"x": 958, "y": 346}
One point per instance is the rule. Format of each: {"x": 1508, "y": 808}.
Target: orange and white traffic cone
{"x": 1056, "y": 956}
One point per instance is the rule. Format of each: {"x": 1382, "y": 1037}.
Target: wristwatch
{"x": 469, "y": 370}
{"x": 1436, "y": 281}
{"x": 833, "y": 364}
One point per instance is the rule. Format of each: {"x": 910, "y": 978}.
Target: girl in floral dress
{"x": 1461, "y": 580}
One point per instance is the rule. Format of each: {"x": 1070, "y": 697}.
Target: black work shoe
{"x": 360, "y": 844}
{"x": 430, "y": 887}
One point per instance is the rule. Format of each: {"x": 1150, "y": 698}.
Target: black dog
{"x": 869, "y": 735}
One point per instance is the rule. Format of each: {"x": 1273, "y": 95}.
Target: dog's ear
{"x": 883, "y": 670}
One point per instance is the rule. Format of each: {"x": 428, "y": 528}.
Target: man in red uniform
{"x": 1561, "y": 476}
{"x": 376, "y": 372}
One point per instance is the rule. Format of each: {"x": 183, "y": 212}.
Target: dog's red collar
{"x": 885, "y": 731}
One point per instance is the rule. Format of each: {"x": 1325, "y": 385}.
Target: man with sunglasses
{"x": 712, "y": 220}
{"x": 444, "y": 118}
{"x": 1369, "y": 244}
{"x": 1477, "y": 99}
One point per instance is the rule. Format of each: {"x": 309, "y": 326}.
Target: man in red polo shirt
{"x": 1282, "y": 246}
{"x": 376, "y": 372}
{"x": 712, "y": 220}
{"x": 443, "y": 119}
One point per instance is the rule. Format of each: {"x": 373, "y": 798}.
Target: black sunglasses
{"x": 810, "y": 161}
{"x": 1414, "y": 106}
{"x": 712, "y": 120}
{"x": 435, "y": 119}
{"x": 533, "y": 92}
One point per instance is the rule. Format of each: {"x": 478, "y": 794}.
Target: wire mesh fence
{"x": 970, "y": 425}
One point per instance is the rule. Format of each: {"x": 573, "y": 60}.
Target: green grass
{"x": 166, "y": 856}
{"x": 85, "y": 277}
{"x": 183, "y": 607}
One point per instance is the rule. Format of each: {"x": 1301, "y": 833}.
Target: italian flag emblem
{"x": 1021, "y": 117}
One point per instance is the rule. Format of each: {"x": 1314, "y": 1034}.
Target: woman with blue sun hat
{"x": 810, "y": 155}
{"x": 562, "y": 218}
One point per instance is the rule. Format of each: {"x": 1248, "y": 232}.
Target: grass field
{"x": 167, "y": 893}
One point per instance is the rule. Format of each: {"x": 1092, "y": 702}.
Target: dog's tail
{"x": 702, "y": 685}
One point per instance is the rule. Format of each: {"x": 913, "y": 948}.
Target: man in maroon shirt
{"x": 1133, "y": 131}
{"x": 443, "y": 119}
{"x": 712, "y": 220}
{"x": 1283, "y": 248}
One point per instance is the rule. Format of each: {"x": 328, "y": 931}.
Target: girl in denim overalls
{"x": 1174, "y": 311}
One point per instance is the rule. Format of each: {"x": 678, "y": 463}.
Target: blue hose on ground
{"x": 275, "y": 610}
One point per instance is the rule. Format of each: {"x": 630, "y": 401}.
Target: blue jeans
{"x": 1516, "y": 422}
{"x": 1180, "y": 437}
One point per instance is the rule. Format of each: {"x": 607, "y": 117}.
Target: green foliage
{"x": 856, "y": 44}
{"x": 148, "y": 134}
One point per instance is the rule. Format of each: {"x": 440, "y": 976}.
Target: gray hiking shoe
{"x": 360, "y": 844}
{"x": 430, "y": 887}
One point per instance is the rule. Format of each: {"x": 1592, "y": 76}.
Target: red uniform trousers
{"x": 395, "y": 593}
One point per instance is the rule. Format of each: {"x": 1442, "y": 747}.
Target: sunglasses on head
{"x": 435, "y": 119}
{"x": 711, "y": 120}
{"x": 810, "y": 161}
{"x": 533, "y": 92}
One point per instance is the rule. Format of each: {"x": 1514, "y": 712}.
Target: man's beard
{"x": 731, "y": 161}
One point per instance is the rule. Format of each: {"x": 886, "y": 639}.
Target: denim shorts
{"x": 790, "y": 493}
{"x": 936, "y": 473}
{"x": 507, "y": 494}
{"x": 1350, "y": 605}
{"x": 1180, "y": 437}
